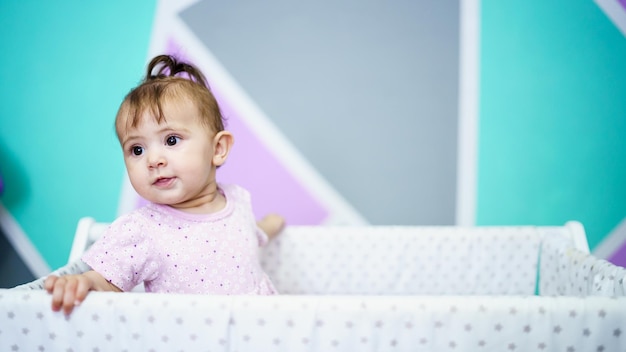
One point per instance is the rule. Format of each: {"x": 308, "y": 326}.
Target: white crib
{"x": 372, "y": 288}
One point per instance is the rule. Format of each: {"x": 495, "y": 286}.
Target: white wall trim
{"x": 612, "y": 242}
{"x": 467, "y": 144}
{"x": 22, "y": 244}
{"x": 615, "y": 11}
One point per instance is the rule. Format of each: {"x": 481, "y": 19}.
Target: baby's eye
{"x": 137, "y": 150}
{"x": 172, "y": 140}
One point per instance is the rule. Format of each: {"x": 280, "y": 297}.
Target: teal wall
{"x": 552, "y": 116}
{"x": 65, "y": 67}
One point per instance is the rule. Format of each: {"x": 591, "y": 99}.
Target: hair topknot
{"x": 170, "y": 66}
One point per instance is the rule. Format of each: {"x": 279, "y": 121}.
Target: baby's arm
{"x": 70, "y": 290}
{"x": 271, "y": 224}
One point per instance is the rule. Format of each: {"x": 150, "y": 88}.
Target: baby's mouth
{"x": 163, "y": 181}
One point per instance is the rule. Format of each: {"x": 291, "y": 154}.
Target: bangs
{"x": 148, "y": 98}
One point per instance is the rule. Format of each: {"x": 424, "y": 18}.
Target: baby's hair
{"x": 170, "y": 66}
{"x": 168, "y": 79}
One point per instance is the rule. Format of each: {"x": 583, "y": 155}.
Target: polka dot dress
{"x": 172, "y": 251}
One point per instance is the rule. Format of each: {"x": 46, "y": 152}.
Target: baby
{"x": 195, "y": 235}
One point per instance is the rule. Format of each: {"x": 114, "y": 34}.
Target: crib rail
{"x": 488, "y": 260}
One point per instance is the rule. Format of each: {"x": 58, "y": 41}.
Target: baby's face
{"x": 170, "y": 162}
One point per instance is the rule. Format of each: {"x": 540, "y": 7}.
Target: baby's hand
{"x": 67, "y": 291}
{"x": 272, "y": 225}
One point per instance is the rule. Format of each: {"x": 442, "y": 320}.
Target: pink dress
{"x": 176, "y": 252}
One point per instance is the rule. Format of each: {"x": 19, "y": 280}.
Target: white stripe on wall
{"x": 22, "y": 244}
{"x": 615, "y": 11}
{"x": 611, "y": 243}
{"x": 469, "y": 39}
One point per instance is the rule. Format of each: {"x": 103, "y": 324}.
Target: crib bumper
{"x": 157, "y": 322}
{"x": 403, "y": 260}
{"x": 565, "y": 269}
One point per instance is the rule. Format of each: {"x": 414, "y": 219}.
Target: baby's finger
{"x": 58, "y": 293}
{"x": 48, "y": 284}
{"x": 81, "y": 290}
{"x": 69, "y": 296}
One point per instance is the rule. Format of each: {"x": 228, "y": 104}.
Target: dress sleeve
{"x": 123, "y": 254}
{"x": 261, "y": 236}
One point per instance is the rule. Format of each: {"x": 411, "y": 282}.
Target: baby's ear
{"x": 222, "y": 142}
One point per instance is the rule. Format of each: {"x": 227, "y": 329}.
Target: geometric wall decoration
{"x": 262, "y": 160}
